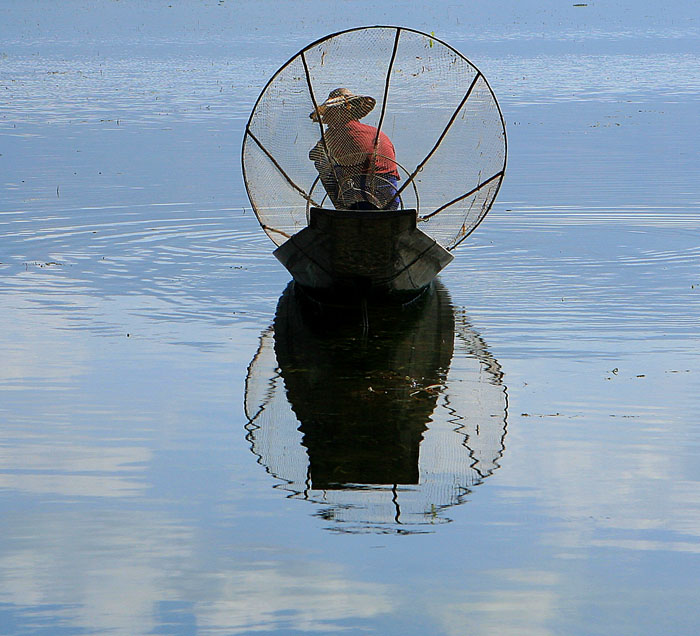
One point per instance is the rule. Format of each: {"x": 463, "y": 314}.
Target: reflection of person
{"x": 354, "y": 434}
{"x": 357, "y": 168}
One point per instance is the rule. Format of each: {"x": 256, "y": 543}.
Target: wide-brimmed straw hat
{"x": 358, "y": 105}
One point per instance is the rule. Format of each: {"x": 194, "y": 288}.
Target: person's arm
{"x": 317, "y": 153}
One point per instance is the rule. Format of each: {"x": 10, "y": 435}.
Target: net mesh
{"x": 415, "y": 125}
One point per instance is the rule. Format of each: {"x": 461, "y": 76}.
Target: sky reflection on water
{"x": 134, "y": 290}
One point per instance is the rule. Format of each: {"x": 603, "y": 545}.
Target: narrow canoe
{"x": 362, "y": 254}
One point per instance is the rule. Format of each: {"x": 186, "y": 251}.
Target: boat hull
{"x": 362, "y": 254}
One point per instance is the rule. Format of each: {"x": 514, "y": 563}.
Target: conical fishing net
{"x": 376, "y": 118}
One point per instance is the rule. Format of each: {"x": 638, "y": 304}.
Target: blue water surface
{"x": 137, "y": 289}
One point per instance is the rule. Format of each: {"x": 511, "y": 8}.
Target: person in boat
{"x": 356, "y": 163}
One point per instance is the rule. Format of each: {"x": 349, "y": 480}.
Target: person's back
{"x": 357, "y": 167}
{"x": 353, "y": 143}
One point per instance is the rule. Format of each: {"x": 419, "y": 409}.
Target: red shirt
{"x": 352, "y": 143}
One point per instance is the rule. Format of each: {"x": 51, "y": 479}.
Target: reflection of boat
{"x": 332, "y": 256}
{"x": 378, "y": 427}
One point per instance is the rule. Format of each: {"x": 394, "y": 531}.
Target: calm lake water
{"x": 171, "y": 426}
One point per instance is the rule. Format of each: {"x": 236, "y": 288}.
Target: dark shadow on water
{"x": 385, "y": 420}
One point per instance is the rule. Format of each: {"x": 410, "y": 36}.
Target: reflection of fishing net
{"x": 444, "y": 151}
{"x": 385, "y": 443}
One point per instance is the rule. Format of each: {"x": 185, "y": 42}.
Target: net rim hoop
{"x": 398, "y": 30}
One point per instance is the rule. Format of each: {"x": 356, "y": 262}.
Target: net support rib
{"x": 386, "y": 93}
{"x": 281, "y": 169}
{"x": 319, "y": 119}
{"x": 441, "y": 137}
{"x": 463, "y": 196}
{"x": 267, "y": 228}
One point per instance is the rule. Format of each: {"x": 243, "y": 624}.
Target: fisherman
{"x": 355, "y": 162}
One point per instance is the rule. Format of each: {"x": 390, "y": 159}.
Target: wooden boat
{"x": 356, "y": 254}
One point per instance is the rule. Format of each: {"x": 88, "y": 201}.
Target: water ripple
{"x": 191, "y": 259}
